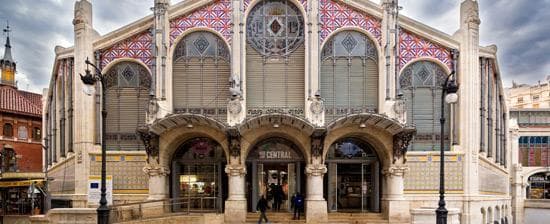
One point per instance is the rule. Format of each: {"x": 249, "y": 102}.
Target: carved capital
{"x": 317, "y": 141}
{"x": 234, "y": 141}
{"x": 401, "y": 143}
{"x": 235, "y": 170}
{"x": 316, "y": 169}
{"x": 156, "y": 170}
{"x": 150, "y": 142}
{"x": 398, "y": 171}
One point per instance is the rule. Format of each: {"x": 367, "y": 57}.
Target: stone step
{"x": 336, "y": 218}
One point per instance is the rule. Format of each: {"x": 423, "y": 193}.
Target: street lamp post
{"x": 448, "y": 95}
{"x": 89, "y": 80}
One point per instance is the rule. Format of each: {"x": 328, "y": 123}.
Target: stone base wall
{"x": 67, "y": 216}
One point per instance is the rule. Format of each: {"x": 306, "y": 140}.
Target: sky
{"x": 518, "y": 27}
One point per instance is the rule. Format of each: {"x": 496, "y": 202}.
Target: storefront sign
{"x": 94, "y": 189}
{"x": 22, "y": 183}
{"x": 274, "y": 155}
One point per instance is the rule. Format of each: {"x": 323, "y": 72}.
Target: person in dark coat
{"x": 298, "y": 202}
{"x": 277, "y": 198}
{"x": 262, "y": 207}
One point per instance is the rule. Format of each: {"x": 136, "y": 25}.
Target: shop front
{"x": 353, "y": 180}
{"x": 22, "y": 197}
{"x": 198, "y": 181}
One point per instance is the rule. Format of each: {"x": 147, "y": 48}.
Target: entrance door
{"x": 353, "y": 177}
{"x": 276, "y": 174}
{"x": 278, "y": 182}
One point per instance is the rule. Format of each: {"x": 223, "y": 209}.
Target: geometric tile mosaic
{"x": 137, "y": 47}
{"x": 412, "y": 46}
{"x": 334, "y": 15}
{"x": 216, "y": 16}
{"x": 127, "y": 171}
{"x": 424, "y": 173}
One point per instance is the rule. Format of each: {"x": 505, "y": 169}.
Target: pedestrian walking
{"x": 298, "y": 202}
{"x": 262, "y": 207}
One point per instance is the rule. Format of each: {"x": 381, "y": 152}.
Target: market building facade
{"x": 223, "y": 102}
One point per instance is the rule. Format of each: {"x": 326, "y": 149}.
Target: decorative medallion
{"x": 275, "y": 28}
{"x": 234, "y": 107}
{"x": 349, "y": 43}
{"x": 317, "y": 107}
{"x": 201, "y": 43}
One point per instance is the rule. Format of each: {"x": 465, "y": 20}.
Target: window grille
{"x": 201, "y": 75}
{"x": 127, "y": 93}
{"x": 8, "y": 130}
{"x": 422, "y": 83}
{"x": 349, "y": 75}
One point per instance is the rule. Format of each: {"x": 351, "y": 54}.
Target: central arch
{"x": 276, "y": 164}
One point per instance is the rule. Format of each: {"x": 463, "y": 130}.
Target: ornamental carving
{"x": 150, "y": 142}
{"x": 156, "y": 170}
{"x": 317, "y": 142}
{"x": 397, "y": 171}
{"x": 234, "y": 140}
{"x": 401, "y": 143}
{"x": 235, "y": 170}
{"x": 316, "y": 169}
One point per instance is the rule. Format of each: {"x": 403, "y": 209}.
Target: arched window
{"x": 275, "y": 58}
{"x": 349, "y": 75}
{"x": 201, "y": 75}
{"x": 22, "y": 132}
{"x": 8, "y": 130}
{"x": 421, "y": 83}
{"x": 127, "y": 93}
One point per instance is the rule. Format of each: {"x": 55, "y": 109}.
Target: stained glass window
{"x": 275, "y": 28}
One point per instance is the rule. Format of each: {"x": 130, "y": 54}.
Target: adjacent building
{"x": 20, "y": 144}
{"x": 530, "y": 128}
{"x": 213, "y": 104}
{"x": 530, "y": 96}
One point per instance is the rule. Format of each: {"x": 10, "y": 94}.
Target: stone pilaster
{"x": 397, "y": 208}
{"x": 84, "y": 113}
{"x": 235, "y": 205}
{"x": 158, "y": 181}
{"x": 518, "y": 197}
{"x": 316, "y": 205}
{"x": 160, "y": 48}
{"x": 313, "y": 114}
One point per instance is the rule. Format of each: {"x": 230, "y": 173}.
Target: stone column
{"x": 518, "y": 190}
{"x": 316, "y": 205}
{"x": 397, "y": 208}
{"x": 235, "y": 205}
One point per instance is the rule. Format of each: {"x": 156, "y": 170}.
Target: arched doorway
{"x": 353, "y": 183}
{"x": 277, "y": 166}
{"x": 197, "y": 180}
{"x": 539, "y": 186}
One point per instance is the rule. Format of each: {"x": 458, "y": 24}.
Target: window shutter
{"x": 275, "y": 82}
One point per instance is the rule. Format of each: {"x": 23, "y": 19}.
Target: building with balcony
{"x": 213, "y": 104}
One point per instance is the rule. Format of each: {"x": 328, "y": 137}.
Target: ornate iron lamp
{"x": 89, "y": 81}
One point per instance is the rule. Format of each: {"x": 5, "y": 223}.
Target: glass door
{"x": 365, "y": 174}
{"x": 290, "y": 186}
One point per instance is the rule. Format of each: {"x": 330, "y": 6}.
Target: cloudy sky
{"x": 518, "y": 27}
